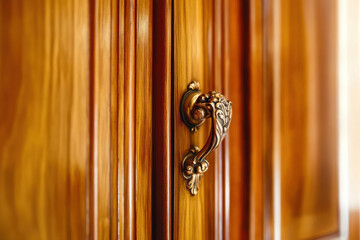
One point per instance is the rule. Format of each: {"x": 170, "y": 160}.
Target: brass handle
{"x": 195, "y": 108}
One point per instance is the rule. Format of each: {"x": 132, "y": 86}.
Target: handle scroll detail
{"x": 196, "y": 107}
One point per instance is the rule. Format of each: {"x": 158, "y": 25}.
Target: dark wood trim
{"x": 162, "y": 169}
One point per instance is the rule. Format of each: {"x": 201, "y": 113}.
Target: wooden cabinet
{"x": 92, "y": 140}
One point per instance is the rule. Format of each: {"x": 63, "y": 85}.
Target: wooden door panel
{"x": 76, "y": 132}
{"x": 293, "y": 96}
{"x": 44, "y": 127}
{"x": 306, "y": 159}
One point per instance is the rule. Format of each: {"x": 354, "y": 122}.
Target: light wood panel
{"x": 198, "y": 55}
{"x": 143, "y": 120}
{"x": 116, "y": 118}
{"x": 189, "y": 222}
{"x": 44, "y": 127}
{"x": 191, "y": 219}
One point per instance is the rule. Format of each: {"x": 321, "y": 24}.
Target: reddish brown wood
{"x": 235, "y": 77}
{"x": 162, "y": 166}
{"x": 256, "y": 120}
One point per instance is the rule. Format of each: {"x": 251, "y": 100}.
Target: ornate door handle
{"x": 195, "y": 108}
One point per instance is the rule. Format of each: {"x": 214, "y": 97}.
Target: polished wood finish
{"x": 256, "y": 120}
{"x": 293, "y": 105}
{"x": 76, "y": 155}
{"x": 307, "y": 132}
{"x": 191, "y": 214}
{"x": 236, "y": 77}
{"x": 136, "y": 131}
{"x": 143, "y": 120}
{"x": 91, "y": 139}
{"x": 162, "y": 111}
{"x": 101, "y": 124}
{"x": 198, "y": 55}
{"x": 129, "y": 120}
{"x": 289, "y": 126}
{"x": 44, "y": 127}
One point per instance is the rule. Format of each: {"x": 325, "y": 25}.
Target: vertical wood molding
{"x": 91, "y": 230}
{"x": 217, "y": 85}
{"x": 143, "y": 120}
{"x": 116, "y": 100}
{"x": 256, "y": 88}
{"x": 236, "y": 52}
{"x": 104, "y": 82}
{"x": 161, "y": 117}
{"x": 129, "y": 122}
{"x": 121, "y": 123}
{"x": 135, "y": 120}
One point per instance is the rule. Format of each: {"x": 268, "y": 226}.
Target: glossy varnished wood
{"x": 129, "y": 120}
{"x": 116, "y": 119}
{"x": 300, "y": 120}
{"x": 199, "y": 55}
{"x": 190, "y": 221}
{"x": 44, "y": 128}
{"x": 102, "y": 118}
{"x": 236, "y": 78}
{"x": 161, "y": 125}
{"x": 255, "y": 108}
{"x": 143, "y": 120}
{"x": 136, "y": 127}
{"x": 76, "y": 153}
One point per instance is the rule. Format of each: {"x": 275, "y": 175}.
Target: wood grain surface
{"x": 143, "y": 120}
{"x": 136, "y": 128}
{"x": 128, "y": 129}
{"x": 300, "y": 119}
{"x": 76, "y": 136}
{"x": 91, "y": 139}
{"x": 44, "y": 127}
{"x": 198, "y": 55}
{"x": 192, "y": 214}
